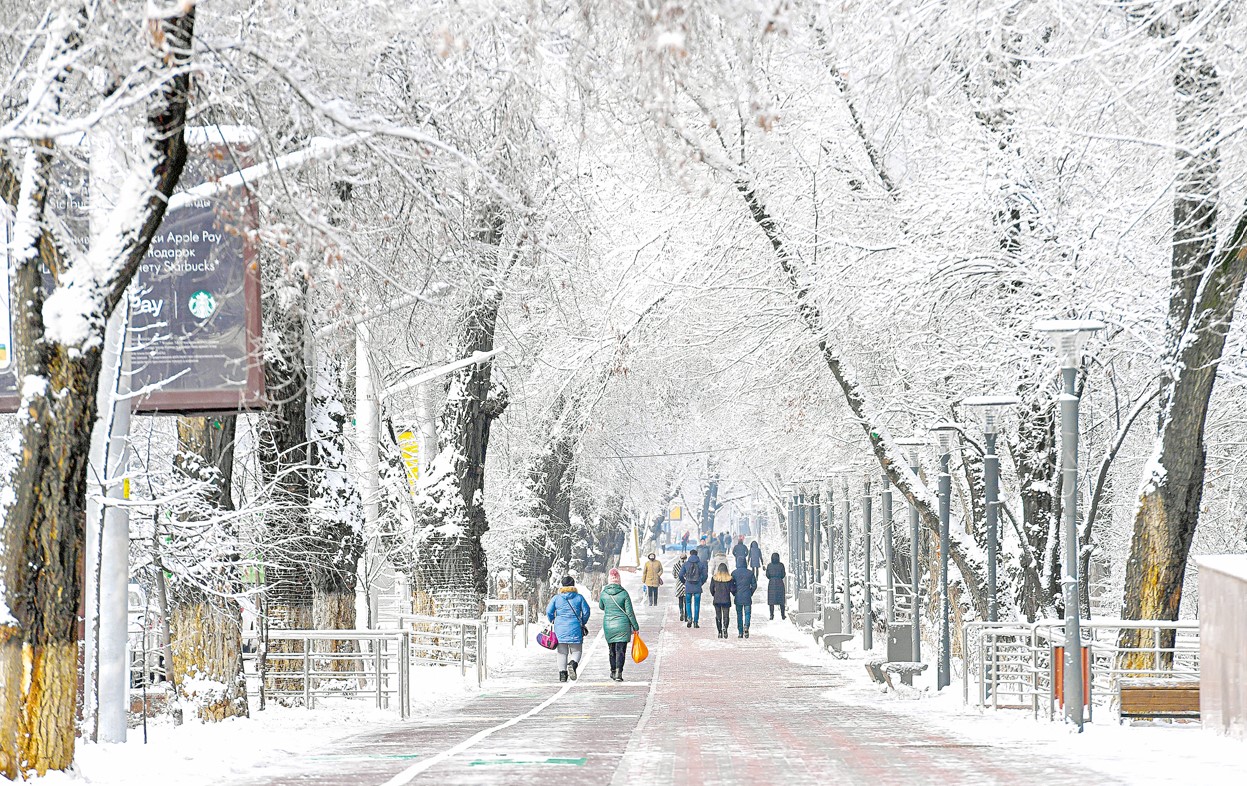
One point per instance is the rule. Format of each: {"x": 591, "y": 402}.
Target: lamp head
{"x": 1068, "y": 336}
{"x": 992, "y": 407}
{"x": 946, "y": 434}
{"x": 912, "y": 446}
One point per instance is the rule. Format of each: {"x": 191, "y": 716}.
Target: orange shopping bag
{"x": 639, "y": 651}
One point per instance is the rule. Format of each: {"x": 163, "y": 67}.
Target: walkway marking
{"x": 552, "y": 760}
{"x": 649, "y": 698}
{"x": 409, "y": 774}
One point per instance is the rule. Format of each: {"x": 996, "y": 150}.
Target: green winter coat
{"x": 619, "y": 620}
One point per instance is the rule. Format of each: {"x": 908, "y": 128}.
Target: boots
{"x": 613, "y": 673}
{"x": 571, "y": 670}
{"x": 562, "y": 676}
{"x": 746, "y": 631}
{"x": 617, "y": 675}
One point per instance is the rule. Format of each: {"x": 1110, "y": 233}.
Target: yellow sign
{"x": 125, "y": 488}
{"x": 409, "y": 445}
{"x": 676, "y": 513}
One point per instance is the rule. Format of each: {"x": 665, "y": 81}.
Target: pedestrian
{"x": 755, "y": 558}
{"x": 569, "y": 612}
{"x": 693, "y": 574}
{"x": 684, "y": 541}
{"x": 651, "y": 577}
{"x": 775, "y": 587}
{"x": 745, "y": 583}
{"x": 618, "y": 621}
{"x": 721, "y": 588}
{"x": 703, "y": 553}
{"x": 740, "y": 549}
{"x": 679, "y": 585}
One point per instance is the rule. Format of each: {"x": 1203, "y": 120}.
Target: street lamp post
{"x": 829, "y": 535}
{"x": 1068, "y": 335}
{"x": 790, "y": 499}
{"x": 816, "y": 545}
{"x": 945, "y": 433}
{"x": 911, "y": 447}
{"x": 991, "y": 406}
{"x": 868, "y": 638}
{"x": 845, "y": 541}
{"x": 885, "y": 509}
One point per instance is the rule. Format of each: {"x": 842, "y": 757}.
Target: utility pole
{"x": 868, "y": 625}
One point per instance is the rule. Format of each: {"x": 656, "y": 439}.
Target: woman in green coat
{"x": 618, "y": 622}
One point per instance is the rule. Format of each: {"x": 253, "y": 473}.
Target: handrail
{"x": 511, "y": 604}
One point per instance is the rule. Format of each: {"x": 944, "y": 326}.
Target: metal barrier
{"x": 441, "y": 640}
{"x": 496, "y": 609}
{"x": 1014, "y": 664}
{"x": 374, "y": 662}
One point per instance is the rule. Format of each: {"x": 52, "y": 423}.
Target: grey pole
{"x": 792, "y": 539}
{"x": 885, "y": 510}
{"x": 1069, "y": 512}
{"x": 868, "y": 638}
{"x": 816, "y": 546}
{"x": 914, "y": 568}
{"x": 829, "y": 522}
{"x": 991, "y": 496}
{"x": 845, "y": 541}
{"x": 944, "y": 674}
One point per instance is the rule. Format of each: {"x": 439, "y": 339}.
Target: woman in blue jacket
{"x": 569, "y": 612}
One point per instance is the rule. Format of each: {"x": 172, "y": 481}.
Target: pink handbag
{"x": 547, "y": 639}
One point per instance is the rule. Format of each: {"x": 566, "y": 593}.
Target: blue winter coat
{"x": 746, "y": 583}
{"x": 693, "y": 574}
{"x": 740, "y": 550}
{"x": 568, "y": 610}
{"x": 755, "y": 555}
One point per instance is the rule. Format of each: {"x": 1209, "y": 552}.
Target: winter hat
{"x": 568, "y": 581}
{"x": 651, "y": 556}
{"x": 613, "y": 575}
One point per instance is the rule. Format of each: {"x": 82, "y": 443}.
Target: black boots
{"x": 562, "y": 676}
{"x": 571, "y": 669}
{"x": 746, "y": 631}
{"x": 688, "y": 624}
{"x": 617, "y": 675}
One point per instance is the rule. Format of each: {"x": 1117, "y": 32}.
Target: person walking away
{"x": 755, "y": 558}
{"x": 569, "y": 613}
{"x": 684, "y": 541}
{"x": 680, "y": 585}
{"x": 721, "y": 589}
{"x": 775, "y": 586}
{"x": 745, "y": 583}
{"x": 618, "y": 621}
{"x": 693, "y": 574}
{"x": 740, "y": 549}
{"x": 651, "y": 577}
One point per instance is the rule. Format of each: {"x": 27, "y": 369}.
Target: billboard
{"x": 194, "y": 337}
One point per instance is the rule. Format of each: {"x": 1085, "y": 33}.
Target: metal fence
{"x": 513, "y": 612}
{"x": 1013, "y": 665}
{"x": 438, "y": 640}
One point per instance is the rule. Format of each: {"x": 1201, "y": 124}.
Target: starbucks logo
{"x": 202, "y": 304}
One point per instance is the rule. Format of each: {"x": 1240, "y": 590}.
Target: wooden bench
{"x": 1158, "y": 698}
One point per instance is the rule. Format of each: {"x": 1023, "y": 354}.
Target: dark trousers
{"x": 679, "y": 601}
{"x": 653, "y": 595}
{"x": 722, "y": 616}
{"x": 619, "y": 649}
{"x": 782, "y": 611}
{"x": 744, "y": 614}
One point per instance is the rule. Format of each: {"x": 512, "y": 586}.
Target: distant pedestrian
{"x": 651, "y": 577}
{"x": 569, "y": 612}
{"x": 740, "y": 549}
{"x": 745, "y": 583}
{"x": 618, "y": 621}
{"x": 678, "y": 571}
{"x": 703, "y": 553}
{"x": 775, "y": 587}
{"x": 693, "y": 574}
{"x": 721, "y": 588}
{"x": 755, "y": 558}
{"x": 684, "y": 541}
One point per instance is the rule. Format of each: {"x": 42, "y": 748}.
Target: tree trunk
{"x": 1036, "y": 460}
{"x": 45, "y": 519}
{"x": 1204, "y": 289}
{"x": 451, "y": 565}
{"x": 206, "y": 620}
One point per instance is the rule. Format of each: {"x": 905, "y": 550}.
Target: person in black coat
{"x": 740, "y": 550}
{"x": 722, "y": 587}
{"x": 775, "y": 586}
{"x": 755, "y": 558}
{"x": 746, "y": 583}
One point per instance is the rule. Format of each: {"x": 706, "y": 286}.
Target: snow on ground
{"x": 210, "y": 754}
{"x": 1141, "y": 752}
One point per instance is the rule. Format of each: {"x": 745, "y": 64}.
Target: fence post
{"x": 307, "y": 673}
{"x": 378, "y": 648}
{"x": 482, "y": 656}
{"x": 404, "y": 675}
{"x": 525, "y": 624}
{"x": 463, "y": 641}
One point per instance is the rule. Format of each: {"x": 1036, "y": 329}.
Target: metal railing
{"x": 1013, "y": 664}
{"x": 312, "y": 664}
{"x": 440, "y": 640}
{"x": 500, "y": 609}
